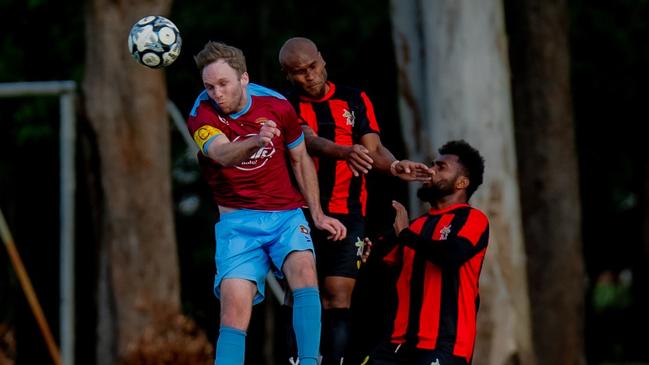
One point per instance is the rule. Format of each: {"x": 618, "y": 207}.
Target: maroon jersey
{"x": 343, "y": 116}
{"x": 263, "y": 181}
{"x": 441, "y": 254}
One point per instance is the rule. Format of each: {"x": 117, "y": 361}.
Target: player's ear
{"x": 245, "y": 79}
{"x": 462, "y": 182}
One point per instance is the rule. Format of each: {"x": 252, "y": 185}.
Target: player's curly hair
{"x": 214, "y": 51}
{"x": 470, "y": 159}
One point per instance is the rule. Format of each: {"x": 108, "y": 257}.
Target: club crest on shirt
{"x": 304, "y": 229}
{"x": 443, "y": 233}
{"x": 350, "y": 117}
{"x": 257, "y": 159}
{"x": 223, "y": 120}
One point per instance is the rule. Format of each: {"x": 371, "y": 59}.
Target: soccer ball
{"x": 154, "y": 41}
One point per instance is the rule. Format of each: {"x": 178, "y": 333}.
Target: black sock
{"x": 336, "y": 327}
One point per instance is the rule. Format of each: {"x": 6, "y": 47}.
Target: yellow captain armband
{"x": 205, "y": 135}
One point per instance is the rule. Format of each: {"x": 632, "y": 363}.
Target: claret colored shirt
{"x": 263, "y": 181}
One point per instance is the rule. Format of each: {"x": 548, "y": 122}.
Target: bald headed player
{"x": 342, "y": 135}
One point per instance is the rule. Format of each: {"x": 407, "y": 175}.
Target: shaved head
{"x": 304, "y": 67}
{"x": 294, "y": 49}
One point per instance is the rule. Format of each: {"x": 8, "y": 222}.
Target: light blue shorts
{"x": 248, "y": 241}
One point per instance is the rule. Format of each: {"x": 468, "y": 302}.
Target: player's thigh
{"x": 291, "y": 249}
{"x": 336, "y": 291}
{"x": 239, "y": 250}
{"x": 299, "y": 268}
{"x": 236, "y": 302}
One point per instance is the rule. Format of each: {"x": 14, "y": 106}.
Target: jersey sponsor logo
{"x": 257, "y": 159}
{"x": 349, "y": 116}
{"x": 443, "y": 233}
{"x": 204, "y": 133}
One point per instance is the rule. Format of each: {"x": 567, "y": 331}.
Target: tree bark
{"x": 125, "y": 104}
{"x": 454, "y": 84}
{"x": 545, "y": 141}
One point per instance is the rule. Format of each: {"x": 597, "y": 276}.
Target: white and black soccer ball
{"x": 154, "y": 41}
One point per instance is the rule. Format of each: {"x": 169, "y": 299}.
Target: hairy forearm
{"x": 232, "y": 153}
{"x": 318, "y": 146}
{"x": 383, "y": 158}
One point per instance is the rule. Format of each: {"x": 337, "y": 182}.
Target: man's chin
{"x": 225, "y": 109}
{"x": 315, "y": 91}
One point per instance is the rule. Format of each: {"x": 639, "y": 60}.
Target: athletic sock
{"x": 336, "y": 327}
{"x": 306, "y": 324}
{"x": 230, "y": 347}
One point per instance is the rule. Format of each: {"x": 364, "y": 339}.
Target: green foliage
{"x": 32, "y": 4}
{"x": 36, "y": 121}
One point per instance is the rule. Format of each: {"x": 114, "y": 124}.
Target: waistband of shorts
{"x": 244, "y": 211}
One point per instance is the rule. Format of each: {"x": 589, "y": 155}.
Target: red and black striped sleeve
{"x": 366, "y": 120}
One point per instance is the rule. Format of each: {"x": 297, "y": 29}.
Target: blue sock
{"x": 230, "y": 347}
{"x": 306, "y": 324}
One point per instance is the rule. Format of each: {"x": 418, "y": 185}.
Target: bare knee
{"x": 337, "y": 292}
{"x": 299, "y": 268}
{"x": 236, "y": 302}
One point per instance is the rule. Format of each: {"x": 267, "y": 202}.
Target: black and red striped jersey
{"x": 343, "y": 116}
{"x": 441, "y": 255}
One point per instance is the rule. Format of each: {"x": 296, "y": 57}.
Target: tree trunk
{"x": 138, "y": 288}
{"x": 454, "y": 53}
{"x": 545, "y": 141}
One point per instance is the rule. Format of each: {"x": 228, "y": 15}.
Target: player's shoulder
{"x": 269, "y": 98}
{"x": 202, "y": 105}
{"x": 468, "y": 212}
{"x": 476, "y": 215}
{"x": 347, "y": 91}
{"x": 259, "y": 91}
{"x": 205, "y": 112}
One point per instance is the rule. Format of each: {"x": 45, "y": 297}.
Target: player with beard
{"x": 441, "y": 255}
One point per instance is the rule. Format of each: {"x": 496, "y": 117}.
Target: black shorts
{"x": 339, "y": 258}
{"x": 392, "y": 354}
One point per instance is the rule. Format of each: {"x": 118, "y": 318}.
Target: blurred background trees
{"x": 577, "y": 70}
{"x": 548, "y": 175}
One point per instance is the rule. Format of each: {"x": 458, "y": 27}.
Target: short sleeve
{"x": 366, "y": 122}
{"x": 204, "y": 126}
{"x": 292, "y": 127}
